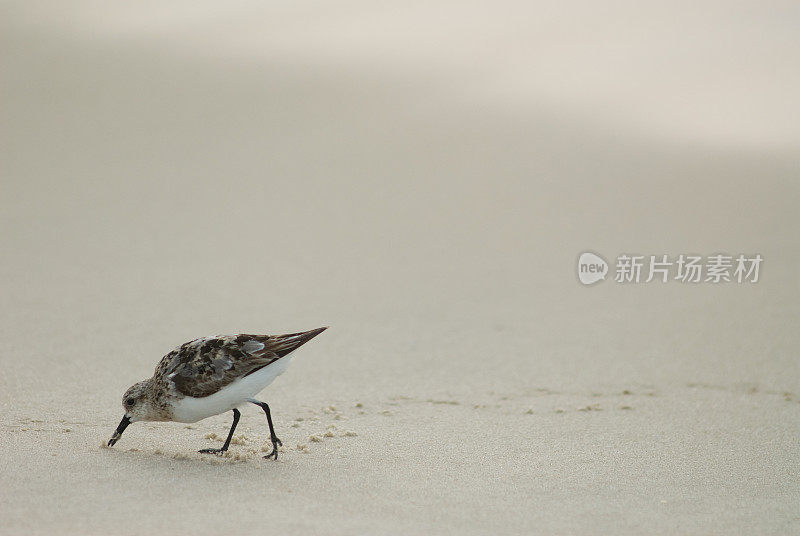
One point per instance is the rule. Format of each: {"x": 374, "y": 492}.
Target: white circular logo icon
{"x": 591, "y": 268}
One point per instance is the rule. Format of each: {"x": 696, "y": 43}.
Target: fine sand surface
{"x": 421, "y": 178}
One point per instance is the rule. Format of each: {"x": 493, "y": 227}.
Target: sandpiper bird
{"x": 209, "y": 376}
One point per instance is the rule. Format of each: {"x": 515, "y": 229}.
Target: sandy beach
{"x": 422, "y": 179}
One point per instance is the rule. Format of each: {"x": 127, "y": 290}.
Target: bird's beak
{"x": 121, "y": 428}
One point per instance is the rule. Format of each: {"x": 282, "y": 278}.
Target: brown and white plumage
{"x": 202, "y": 367}
{"x": 209, "y": 376}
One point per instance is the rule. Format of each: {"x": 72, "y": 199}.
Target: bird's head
{"x": 137, "y": 406}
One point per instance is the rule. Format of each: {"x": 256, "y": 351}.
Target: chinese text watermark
{"x": 684, "y": 268}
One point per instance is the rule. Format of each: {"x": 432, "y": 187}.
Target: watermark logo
{"x": 684, "y": 268}
{"x": 591, "y": 268}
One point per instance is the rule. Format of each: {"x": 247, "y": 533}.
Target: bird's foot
{"x": 219, "y": 452}
{"x": 275, "y": 444}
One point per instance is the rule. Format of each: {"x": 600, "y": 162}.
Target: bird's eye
{"x": 129, "y": 401}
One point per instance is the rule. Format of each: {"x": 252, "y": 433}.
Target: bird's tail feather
{"x": 284, "y": 344}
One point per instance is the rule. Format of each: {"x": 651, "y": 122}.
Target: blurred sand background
{"x": 421, "y": 177}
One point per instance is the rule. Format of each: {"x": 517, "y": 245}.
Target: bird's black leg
{"x": 275, "y": 441}
{"x": 227, "y": 443}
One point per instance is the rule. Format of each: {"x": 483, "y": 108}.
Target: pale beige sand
{"x": 422, "y": 179}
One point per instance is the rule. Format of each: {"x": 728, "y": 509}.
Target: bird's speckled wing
{"x": 202, "y": 367}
